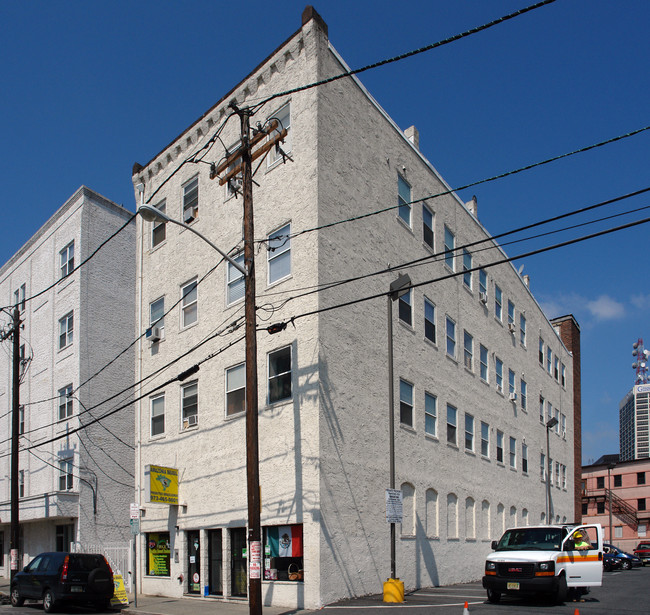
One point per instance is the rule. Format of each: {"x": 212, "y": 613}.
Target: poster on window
{"x": 158, "y": 554}
{"x": 285, "y": 540}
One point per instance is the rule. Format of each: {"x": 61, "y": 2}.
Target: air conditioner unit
{"x": 153, "y": 334}
{"x": 511, "y": 327}
{"x": 513, "y": 397}
{"x": 483, "y": 298}
{"x": 190, "y": 214}
{"x": 191, "y": 421}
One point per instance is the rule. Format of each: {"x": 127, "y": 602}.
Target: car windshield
{"x": 531, "y": 539}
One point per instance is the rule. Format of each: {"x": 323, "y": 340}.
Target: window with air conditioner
{"x": 190, "y": 404}
{"x": 191, "y": 200}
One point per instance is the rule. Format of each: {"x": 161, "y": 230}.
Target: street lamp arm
{"x": 151, "y": 214}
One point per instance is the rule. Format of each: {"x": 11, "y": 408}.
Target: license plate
{"x": 76, "y": 588}
{"x": 513, "y": 586}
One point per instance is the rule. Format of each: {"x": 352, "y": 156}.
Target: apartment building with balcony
{"x": 76, "y": 290}
{"x": 478, "y": 368}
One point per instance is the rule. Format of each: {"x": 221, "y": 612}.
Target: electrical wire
{"x": 408, "y": 54}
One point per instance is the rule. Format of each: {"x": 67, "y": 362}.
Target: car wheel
{"x": 626, "y": 564}
{"x": 16, "y": 598}
{"x": 493, "y": 596}
{"x": 48, "y": 601}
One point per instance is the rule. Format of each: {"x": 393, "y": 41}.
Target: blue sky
{"x": 89, "y": 88}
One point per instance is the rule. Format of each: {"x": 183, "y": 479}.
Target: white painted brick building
{"x": 469, "y": 455}
{"x": 75, "y": 488}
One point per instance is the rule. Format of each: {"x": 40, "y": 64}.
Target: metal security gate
{"x": 118, "y": 555}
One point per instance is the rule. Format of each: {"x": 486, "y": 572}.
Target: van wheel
{"x": 562, "y": 590}
{"x": 493, "y": 596}
{"x": 48, "y": 601}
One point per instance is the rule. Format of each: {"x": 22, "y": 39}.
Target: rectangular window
{"x": 640, "y": 504}
{"x": 236, "y": 389}
{"x": 522, "y": 329}
{"x": 542, "y": 466}
{"x": 430, "y": 414}
{"x": 541, "y": 352}
{"x": 524, "y": 394}
{"x": 157, "y": 415}
{"x": 190, "y": 404}
{"x": 158, "y": 556}
{"x": 483, "y": 351}
{"x": 19, "y": 297}
{"x": 66, "y": 330}
{"x": 191, "y": 200}
{"x": 557, "y": 418}
{"x": 467, "y": 265}
{"x": 21, "y": 483}
{"x": 21, "y": 419}
{"x": 404, "y": 303}
{"x": 280, "y": 375}
{"x": 404, "y": 200}
{"x": 157, "y": 315}
{"x": 618, "y": 480}
{"x": 563, "y": 375}
{"x": 450, "y": 243}
{"x": 499, "y": 374}
{"x": 66, "y": 260}
{"x": 284, "y": 547}
{"x": 236, "y": 285}
{"x": 524, "y": 458}
{"x": 451, "y": 337}
{"x": 513, "y": 452}
{"x": 469, "y": 432}
{"x": 65, "y": 402}
{"x": 427, "y": 226}
{"x": 65, "y": 474}
{"x": 468, "y": 350}
{"x": 549, "y": 359}
{"x": 618, "y": 531}
{"x": 159, "y": 227}
{"x": 498, "y": 303}
{"x": 485, "y": 439}
{"x": 429, "y": 320}
{"x": 600, "y": 508}
{"x": 283, "y": 115}
{"x": 549, "y": 411}
{"x": 279, "y": 254}
{"x": 640, "y": 478}
{"x": 600, "y": 482}
{"x": 499, "y": 446}
{"x": 557, "y": 474}
{"x": 190, "y": 304}
{"x": 511, "y": 314}
{"x": 563, "y": 476}
{"x": 541, "y": 409}
{"x": 405, "y": 403}
{"x": 482, "y": 281}
{"x": 511, "y": 384}
{"x": 452, "y": 415}
{"x": 556, "y": 369}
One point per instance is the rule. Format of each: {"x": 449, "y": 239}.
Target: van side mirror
{"x": 570, "y": 545}
{"x": 494, "y": 545}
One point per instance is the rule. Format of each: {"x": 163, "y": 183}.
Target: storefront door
{"x": 193, "y": 563}
{"x": 215, "y": 562}
{"x": 238, "y": 562}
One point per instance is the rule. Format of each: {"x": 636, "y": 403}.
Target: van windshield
{"x": 532, "y": 539}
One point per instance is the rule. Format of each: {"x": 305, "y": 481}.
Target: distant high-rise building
{"x": 633, "y": 418}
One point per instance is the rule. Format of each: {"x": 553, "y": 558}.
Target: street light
{"x": 610, "y": 467}
{"x": 552, "y": 422}
{"x": 398, "y": 288}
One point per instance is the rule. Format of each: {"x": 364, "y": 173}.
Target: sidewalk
{"x": 162, "y": 605}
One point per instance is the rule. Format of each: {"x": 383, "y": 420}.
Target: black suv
{"x": 64, "y": 577}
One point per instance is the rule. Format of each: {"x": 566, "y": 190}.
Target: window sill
{"x": 452, "y": 358}
{"x": 470, "y": 453}
{"x": 468, "y": 289}
{"x": 430, "y": 342}
{"x": 276, "y": 282}
{"x": 278, "y": 403}
{"x": 429, "y": 436}
{"x": 452, "y": 445}
{"x": 186, "y": 327}
{"x": 158, "y": 246}
{"x": 469, "y": 371}
{"x": 405, "y": 225}
{"x": 278, "y": 161}
{"x": 160, "y": 436}
{"x": 408, "y": 428}
{"x": 407, "y": 325}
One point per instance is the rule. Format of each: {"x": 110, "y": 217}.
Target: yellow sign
{"x": 162, "y": 484}
{"x": 119, "y": 595}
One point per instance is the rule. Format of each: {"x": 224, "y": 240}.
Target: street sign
{"x": 134, "y": 510}
{"x": 394, "y": 512}
{"x": 135, "y": 526}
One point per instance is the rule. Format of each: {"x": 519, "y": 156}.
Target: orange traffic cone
{"x": 465, "y": 609}
{"x": 576, "y": 612}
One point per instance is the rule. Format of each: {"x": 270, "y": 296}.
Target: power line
{"x": 279, "y": 326}
{"x": 408, "y": 54}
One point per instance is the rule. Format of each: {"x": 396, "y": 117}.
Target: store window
{"x": 283, "y": 553}
{"x": 158, "y": 554}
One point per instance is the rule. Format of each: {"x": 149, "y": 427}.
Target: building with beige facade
{"x": 75, "y": 289}
{"x": 478, "y": 368}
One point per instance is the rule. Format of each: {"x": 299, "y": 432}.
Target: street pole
{"x": 609, "y": 485}
{"x": 15, "y": 434}
{"x": 552, "y": 422}
{"x": 252, "y": 445}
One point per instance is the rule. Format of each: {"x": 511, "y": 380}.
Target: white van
{"x": 549, "y": 559}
